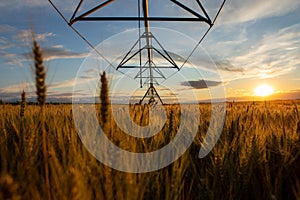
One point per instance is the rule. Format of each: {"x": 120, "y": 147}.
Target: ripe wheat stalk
{"x": 104, "y": 109}
{"x": 40, "y": 79}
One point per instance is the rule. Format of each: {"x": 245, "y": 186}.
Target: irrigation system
{"x": 148, "y": 71}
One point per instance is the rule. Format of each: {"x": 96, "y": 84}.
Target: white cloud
{"x": 49, "y": 53}
{"x": 11, "y": 59}
{"x": 14, "y": 89}
{"x": 70, "y": 83}
{"x": 23, "y": 3}
{"x": 15, "y": 62}
{"x": 237, "y": 11}
{"x": 25, "y": 37}
{"x": 28, "y": 35}
{"x": 5, "y": 28}
{"x": 272, "y": 56}
{"x": 5, "y": 44}
{"x": 58, "y": 52}
{"x": 63, "y": 84}
{"x": 63, "y": 5}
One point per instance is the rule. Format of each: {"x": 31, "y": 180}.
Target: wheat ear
{"x": 104, "y": 98}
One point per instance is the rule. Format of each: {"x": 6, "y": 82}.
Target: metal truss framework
{"x": 148, "y": 68}
{"x": 197, "y": 17}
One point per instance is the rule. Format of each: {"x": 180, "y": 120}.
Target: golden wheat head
{"x": 40, "y": 74}
{"x": 104, "y": 97}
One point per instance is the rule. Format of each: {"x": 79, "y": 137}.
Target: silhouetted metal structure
{"x": 86, "y": 15}
{"x": 148, "y": 70}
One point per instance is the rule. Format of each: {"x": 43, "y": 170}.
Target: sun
{"x": 263, "y": 90}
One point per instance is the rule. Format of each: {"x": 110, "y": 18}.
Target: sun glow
{"x": 263, "y": 90}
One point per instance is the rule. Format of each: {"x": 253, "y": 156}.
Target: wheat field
{"x": 256, "y": 157}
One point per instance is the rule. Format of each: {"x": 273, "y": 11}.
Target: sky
{"x": 251, "y": 43}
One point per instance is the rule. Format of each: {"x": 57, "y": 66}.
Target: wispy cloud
{"x": 65, "y": 5}
{"x": 5, "y": 44}
{"x": 11, "y": 59}
{"x": 243, "y": 11}
{"x": 22, "y": 4}
{"x": 63, "y": 89}
{"x": 14, "y": 91}
{"x": 70, "y": 83}
{"x": 5, "y": 28}
{"x": 25, "y": 37}
{"x": 273, "y": 55}
{"x": 28, "y": 35}
{"x": 49, "y": 53}
{"x": 8, "y": 55}
{"x": 63, "y": 84}
{"x": 57, "y": 52}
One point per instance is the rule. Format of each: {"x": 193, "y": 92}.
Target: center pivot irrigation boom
{"x": 148, "y": 70}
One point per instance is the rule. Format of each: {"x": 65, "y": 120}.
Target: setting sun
{"x": 264, "y": 90}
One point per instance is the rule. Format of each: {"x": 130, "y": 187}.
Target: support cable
{"x": 200, "y": 41}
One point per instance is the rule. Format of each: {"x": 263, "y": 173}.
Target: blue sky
{"x": 252, "y": 42}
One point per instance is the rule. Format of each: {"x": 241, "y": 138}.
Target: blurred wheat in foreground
{"x": 257, "y": 157}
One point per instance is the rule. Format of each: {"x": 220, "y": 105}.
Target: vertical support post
{"x": 151, "y": 91}
{"x": 148, "y": 39}
{"x": 140, "y": 54}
